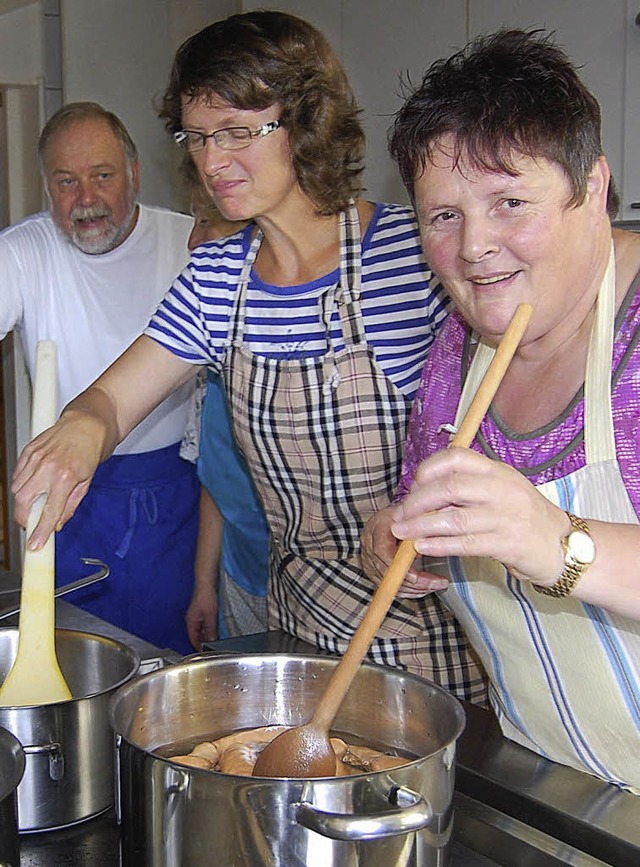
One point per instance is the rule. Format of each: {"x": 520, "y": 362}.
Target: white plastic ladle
{"x": 35, "y": 677}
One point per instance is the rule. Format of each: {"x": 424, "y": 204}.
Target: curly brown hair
{"x": 258, "y": 59}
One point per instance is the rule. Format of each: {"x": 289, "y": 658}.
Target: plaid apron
{"x": 565, "y": 676}
{"x": 323, "y": 437}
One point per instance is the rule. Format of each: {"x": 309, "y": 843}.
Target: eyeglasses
{"x": 231, "y": 138}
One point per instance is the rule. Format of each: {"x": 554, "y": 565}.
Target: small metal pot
{"x": 68, "y": 745}
{"x": 11, "y": 771}
{"x": 174, "y": 816}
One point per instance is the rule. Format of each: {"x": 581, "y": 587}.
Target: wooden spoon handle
{"x": 363, "y": 636}
{"x": 44, "y": 409}
{"x": 405, "y": 553}
{"x": 493, "y": 377}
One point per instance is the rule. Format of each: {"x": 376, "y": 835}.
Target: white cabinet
{"x": 631, "y": 141}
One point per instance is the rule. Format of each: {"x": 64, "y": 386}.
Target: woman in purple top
{"x": 500, "y": 149}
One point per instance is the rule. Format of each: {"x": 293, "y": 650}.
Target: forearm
{"x": 462, "y": 504}
{"x": 202, "y": 615}
{"x": 95, "y": 408}
{"x": 62, "y": 460}
{"x": 209, "y": 547}
{"x": 135, "y": 384}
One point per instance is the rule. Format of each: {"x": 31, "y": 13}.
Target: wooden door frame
{"x": 22, "y": 111}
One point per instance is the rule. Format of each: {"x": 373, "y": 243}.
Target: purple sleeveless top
{"x": 543, "y": 455}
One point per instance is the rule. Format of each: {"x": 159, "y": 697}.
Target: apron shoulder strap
{"x": 350, "y": 289}
{"x": 481, "y": 361}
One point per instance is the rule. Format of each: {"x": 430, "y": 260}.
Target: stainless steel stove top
{"x": 513, "y": 808}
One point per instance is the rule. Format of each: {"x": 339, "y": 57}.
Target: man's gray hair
{"x": 79, "y": 111}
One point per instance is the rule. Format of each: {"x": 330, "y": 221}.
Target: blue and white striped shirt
{"x": 401, "y": 310}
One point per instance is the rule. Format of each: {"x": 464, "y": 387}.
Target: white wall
{"x": 380, "y": 41}
{"x": 118, "y": 53}
{"x": 126, "y": 69}
{"x": 21, "y": 80}
{"x": 21, "y": 55}
{"x": 115, "y": 52}
{"x": 384, "y": 44}
{"x": 189, "y": 16}
{"x": 366, "y": 38}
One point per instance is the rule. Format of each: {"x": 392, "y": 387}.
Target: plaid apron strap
{"x": 350, "y": 289}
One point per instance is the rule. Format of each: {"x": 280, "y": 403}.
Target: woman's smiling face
{"x": 496, "y": 239}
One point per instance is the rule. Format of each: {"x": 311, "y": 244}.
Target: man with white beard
{"x": 88, "y": 274}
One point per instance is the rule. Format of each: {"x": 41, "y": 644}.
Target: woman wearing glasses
{"x": 319, "y": 316}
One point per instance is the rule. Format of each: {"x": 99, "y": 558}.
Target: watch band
{"x": 572, "y": 572}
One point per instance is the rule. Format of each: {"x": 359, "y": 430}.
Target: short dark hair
{"x": 257, "y": 59}
{"x": 508, "y": 93}
{"x": 73, "y": 112}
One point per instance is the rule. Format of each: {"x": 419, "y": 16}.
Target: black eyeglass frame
{"x": 182, "y": 136}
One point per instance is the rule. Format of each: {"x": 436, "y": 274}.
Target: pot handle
{"x": 412, "y": 813}
{"x": 102, "y": 572}
{"x": 56, "y": 758}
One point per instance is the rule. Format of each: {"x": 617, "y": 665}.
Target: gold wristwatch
{"x": 579, "y": 553}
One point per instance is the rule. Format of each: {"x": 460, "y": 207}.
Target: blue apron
{"x": 140, "y": 516}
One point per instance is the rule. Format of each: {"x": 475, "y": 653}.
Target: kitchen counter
{"x": 513, "y": 808}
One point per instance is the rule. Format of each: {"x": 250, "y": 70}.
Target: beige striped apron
{"x": 323, "y": 437}
{"x": 565, "y": 676}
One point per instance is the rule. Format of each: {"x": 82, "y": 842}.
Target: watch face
{"x": 580, "y": 547}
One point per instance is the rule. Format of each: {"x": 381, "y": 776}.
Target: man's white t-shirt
{"x": 94, "y": 306}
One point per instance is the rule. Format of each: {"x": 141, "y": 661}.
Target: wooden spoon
{"x": 305, "y": 750}
{"x": 35, "y": 677}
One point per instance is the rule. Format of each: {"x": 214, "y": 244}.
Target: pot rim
{"x": 204, "y": 659}
{"x": 133, "y": 655}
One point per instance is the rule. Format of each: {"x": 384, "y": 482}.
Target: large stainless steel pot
{"x": 173, "y": 816}
{"x": 68, "y": 745}
{"x": 11, "y": 771}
